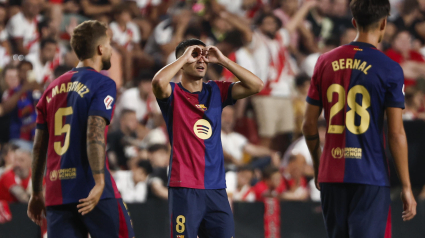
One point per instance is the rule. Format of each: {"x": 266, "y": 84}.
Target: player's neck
{"x": 191, "y": 84}
{"x": 368, "y": 37}
{"x": 96, "y": 65}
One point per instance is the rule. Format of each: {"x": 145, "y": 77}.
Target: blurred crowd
{"x": 278, "y": 40}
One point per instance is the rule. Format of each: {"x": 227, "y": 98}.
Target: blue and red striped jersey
{"x": 354, "y": 84}
{"x": 63, "y": 110}
{"x": 194, "y": 127}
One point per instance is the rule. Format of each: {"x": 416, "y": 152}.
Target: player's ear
{"x": 353, "y": 21}
{"x": 383, "y": 24}
{"x": 100, "y": 49}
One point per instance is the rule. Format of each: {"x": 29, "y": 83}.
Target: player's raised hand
{"x": 88, "y": 204}
{"x": 409, "y": 204}
{"x": 213, "y": 55}
{"x": 192, "y": 54}
{"x": 36, "y": 208}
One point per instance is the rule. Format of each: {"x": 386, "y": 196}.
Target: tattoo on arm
{"x": 96, "y": 144}
{"x": 39, "y": 157}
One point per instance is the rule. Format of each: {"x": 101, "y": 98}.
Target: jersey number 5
{"x": 355, "y": 108}
{"x": 60, "y": 129}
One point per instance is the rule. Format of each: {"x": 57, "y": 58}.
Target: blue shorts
{"x": 200, "y": 212}
{"x": 356, "y": 210}
{"x": 109, "y": 219}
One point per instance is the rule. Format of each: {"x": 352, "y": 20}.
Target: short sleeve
{"x": 394, "y": 96}
{"x": 41, "y": 114}
{"x": 313, "y": 96}
{"x": 225, "y": 93}
{"x": 103, "y": 100}
{"x": 165, "y": 104}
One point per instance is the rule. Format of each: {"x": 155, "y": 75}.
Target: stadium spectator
{"x": 22, "y": 27}
{"x": 239, "y": 185}
{"x": 121, "y": 144}
{"x": 125, "y": 38}
{"x": 235, "y": 145}
{"x": 340, "y": 19}
{"x": 320, "y": 24}
{"x": 296, "y": 182}
{"x": 42, "y": 61}
{"x": 8, "y": 152}
{"x": 412, "y": 62}
{"x": 15, "y": 183}
{"x": 409, "y": 20}
{"x": 133, "y": 184}
{"x": 307, "y": 66}
{"x": 158, "y": 156}
{"x": 272, "y": 185}
{"x": 414, "y": 101}
{"x": 19, "y": 102}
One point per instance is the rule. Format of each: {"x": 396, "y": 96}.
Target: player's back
{"x": 354, "y": 84}
{"x": 64, "y": 110}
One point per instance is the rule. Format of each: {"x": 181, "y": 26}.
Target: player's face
{"x": 107, "y": 51}
{"x": 196, "y": 69}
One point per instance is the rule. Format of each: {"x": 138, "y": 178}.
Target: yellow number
{"x": 180, "y": 224}
{"x": 60, "y": 129}
{"x": 336, "y": 108}
{"x": 355, "y": 108}
{"x": 361, "y": 110}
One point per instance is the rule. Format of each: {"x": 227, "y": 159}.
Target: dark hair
{"x": 43, "y": 24}
{"x": 408, "y": 7}
{"x": 157, "y": 147}
{"x": 145, "y": 75}
{"x": 234, "y": 38}
{"x": 367, "y": 13}
{"x": 125, "y": 111}
{"x": 186, "y": 43}
{"x": 85, "y": 38}
{"x": 301, "y": 79}
{"x": 194, "y": 31}
{"x": 246, "y": 168}
{"x": 269, "y": 171}
{"x": 61, "y": 69}
{"x": 121, "y": 8}
{"x": 44, "y": 42}
{"x": 146, "y": 165}
{"x": 5, "y": 150}
{"x": 263, "y": 16}
{"x": 23, "y": 62}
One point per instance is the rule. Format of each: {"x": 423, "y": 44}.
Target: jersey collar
{"x": 82, "y": 68}
{"x": 181, "y": 86}
{"x": 362, "y": 44}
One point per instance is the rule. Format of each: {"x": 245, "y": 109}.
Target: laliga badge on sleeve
{"x": 108, "y": 102}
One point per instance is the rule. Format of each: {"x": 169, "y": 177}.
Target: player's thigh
{"x": 266, "y": 114}
{"x": 218, "y": 220}
{"x": 285, "y": 110}
{"x": 369, "y": 214}
{"x": 335, "y": 205}
{"x": 63, "y": 221}
{"x": 186, "y": 208}
{"x": 109, "y": 219}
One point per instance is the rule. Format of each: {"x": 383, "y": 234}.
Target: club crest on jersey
{"x": 202, "y": 129}
{"x": 337, "y": 153}
{"x": 201, "y": 107}
{"x": 108, "y": 102}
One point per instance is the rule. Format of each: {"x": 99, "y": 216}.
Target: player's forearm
{"x": 162, "y": 78}
{"x": 249, "y": 82}
{"x": 39, "y": 157}
{"x": 398, "y": 147}
{"x": 96, "y": 148}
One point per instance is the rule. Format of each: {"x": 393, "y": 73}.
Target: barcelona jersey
{"x": 354, "y": 84}
{"x": 194, "y": 127}
{"x": 63, "y": 110}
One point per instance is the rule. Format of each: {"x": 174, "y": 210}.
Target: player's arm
{"x": 398, "y": 146}
{"x": 36, "y": 207}
{"x": 96, "y": 155}
{"x": 161, "y": 81}
{"x": 249, "y": 83}
{"x": 311, "y": 134}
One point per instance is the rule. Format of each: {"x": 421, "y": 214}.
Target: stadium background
{"x": 279, "y": 40}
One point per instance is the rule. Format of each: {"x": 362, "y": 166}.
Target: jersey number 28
{"x": 355, "y": 108}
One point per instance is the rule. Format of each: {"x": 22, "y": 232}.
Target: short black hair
{"x": 121, "y": 8}
{"x": 146, "y": 165}
{"x": 60, "y": 70}
{"x": 269, "y": 171}
{"x": 85, "y": 38}
{"x": 23, "y": 62}
{"x": 145, "y": 75}
{"x": 194, "y": 31}
{"x": 126, "y": 111}
{"x": 368, "y": 13}
{"x": 44, "y": 42}
{"x": 301, "y": 79}
{"x": 263, "y": 16}
{"x": 157, "y": 147}
{"x": 234, "y": 38}
{"x": 43, "y": 24}
{"x": 186, "y": 43}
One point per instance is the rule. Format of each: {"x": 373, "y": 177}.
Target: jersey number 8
{"x": 355, "y": 108}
